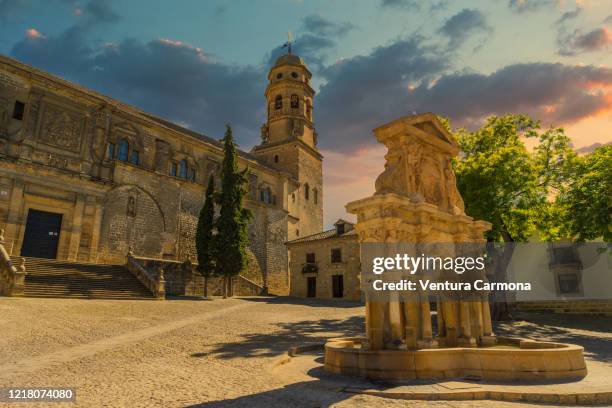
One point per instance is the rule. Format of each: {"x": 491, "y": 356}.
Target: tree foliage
{"x": 506, "y": 184}
{"x": 585, "y": 204}
{"x": 205, "y": 235}
{"x": 502, "y": 182}
{"x": 232, "y": 235}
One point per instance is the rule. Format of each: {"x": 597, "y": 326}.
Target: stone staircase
{"x": 51, "y": 278}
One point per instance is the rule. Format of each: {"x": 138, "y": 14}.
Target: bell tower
{"x": 289, "y": 143}
{"x": 289, "y": 97}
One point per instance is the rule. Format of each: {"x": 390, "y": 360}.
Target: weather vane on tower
{"x": 289, "y": 42}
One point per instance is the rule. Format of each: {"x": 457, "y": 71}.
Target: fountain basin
{"x": 510, "y": 360}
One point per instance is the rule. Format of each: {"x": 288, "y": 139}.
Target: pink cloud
{"x": 33, "y": 34}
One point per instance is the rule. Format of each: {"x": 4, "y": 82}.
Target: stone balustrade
{"x": 156, "y": 283}
{"x": 12, "y": 278}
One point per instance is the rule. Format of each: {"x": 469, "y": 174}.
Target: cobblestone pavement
{"x": 200, "y": 353}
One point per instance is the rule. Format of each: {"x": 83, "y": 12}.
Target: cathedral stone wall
{"x": 115, "y": 176}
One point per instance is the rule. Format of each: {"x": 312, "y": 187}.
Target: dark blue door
{"x": 42, "y": 234}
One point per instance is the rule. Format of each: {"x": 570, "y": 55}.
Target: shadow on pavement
{"x": 307, "y": 394}
{"x": 285, "y": 300}
{"x": 288, "y": 335}
{"x": 591, "y": 332}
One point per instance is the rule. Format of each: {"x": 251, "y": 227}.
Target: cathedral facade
{"x": 86, "y": 178}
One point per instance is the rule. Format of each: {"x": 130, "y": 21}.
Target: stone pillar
{"x": 476, "y": 320}
{"x": 95, "y": 233}
{"x": 450, "y": 320}
{"x": 466, "y": 339}
{"x": 375, "y": 315}
{"x": 413, "y": 324}
{"x": 488, "y": 337}
{"x": 426, "y": 331}
{"x": 13, "y": 218}
{"x": 75, "y": 233}
{"x": 396, "y": 323}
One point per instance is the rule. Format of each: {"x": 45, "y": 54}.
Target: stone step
{"x": 51, "y": 278}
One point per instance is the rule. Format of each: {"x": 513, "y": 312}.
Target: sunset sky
{"x": 202, "y": 64}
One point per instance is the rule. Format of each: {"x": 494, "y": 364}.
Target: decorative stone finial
{"x": 22, "y": 267}
{"x": 131, "y": 251}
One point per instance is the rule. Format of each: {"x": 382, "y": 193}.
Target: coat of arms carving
{"x": 61, "y": 129}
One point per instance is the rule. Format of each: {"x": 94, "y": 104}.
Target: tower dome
{"x": 289, "y": 59}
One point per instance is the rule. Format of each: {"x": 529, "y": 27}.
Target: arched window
{"x": 183, "y": 169}
{"x": 315, "y": 194}
{"x": 295, "y": 101}
{"x": 124, "y": 149}
{"x": 306, "y": 191}
{"x": 268, "y": 195}
{"x": 293, "y": 197}
{"x": 276, "y": 158}
{"x": 278, "y": 102}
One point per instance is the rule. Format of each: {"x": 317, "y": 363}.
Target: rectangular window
{"x": 110, "y": 151}
{"x": 173, "y": 169}
{"x": 18, "y": 110}
{"x": 564, "y": 256}
{"x": 135, "y": 157}
{"x": 336, "y": 255}
{"x": 310, "y": 257}
{"x": 569, "y": 283}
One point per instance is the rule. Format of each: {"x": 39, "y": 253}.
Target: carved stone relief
{"x": 420, "y": 171}
{"x": 162, "y": 155}
{"x": 100, "y": 131}
{"x": 61, "y": 128}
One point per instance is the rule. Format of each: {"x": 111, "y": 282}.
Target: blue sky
{"x": 204, "y": 63}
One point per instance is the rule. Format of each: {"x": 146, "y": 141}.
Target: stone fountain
{"x": 417, "y": 205}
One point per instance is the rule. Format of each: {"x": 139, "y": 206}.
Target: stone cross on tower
{"x": 289, "y": 42}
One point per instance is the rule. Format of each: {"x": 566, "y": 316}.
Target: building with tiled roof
{"x": 326, "y": 265}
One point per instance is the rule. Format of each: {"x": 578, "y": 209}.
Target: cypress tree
{"x": 204, "y": 235}
{"x": 232, "y": 235}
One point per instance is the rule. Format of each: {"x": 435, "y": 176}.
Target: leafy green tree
{"x": 205, "y": 235}
{"x": 232, "y": 235}
{"x": 585, "y": 204}
{"x": 502, "y": 182}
